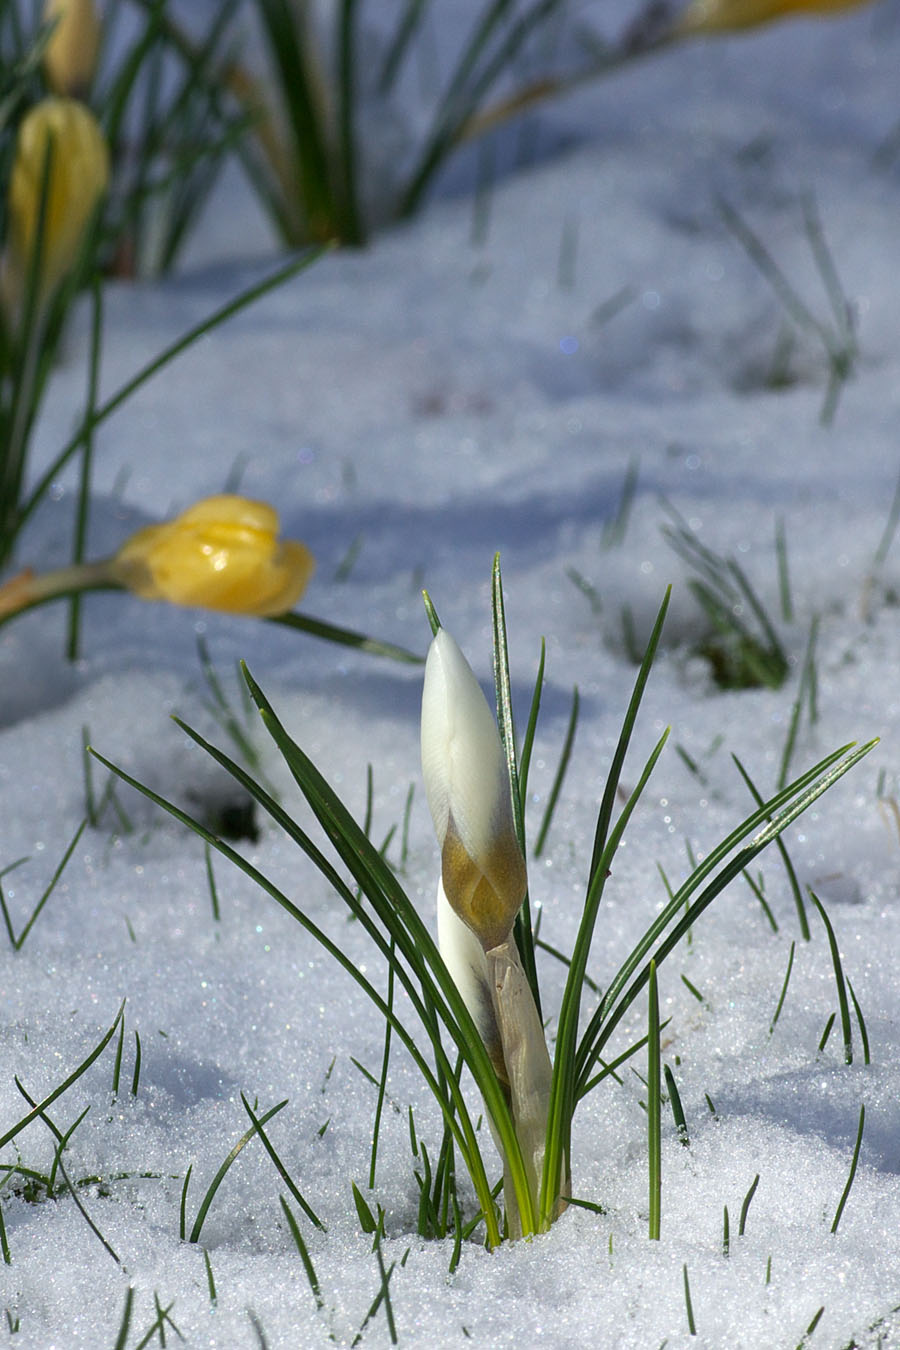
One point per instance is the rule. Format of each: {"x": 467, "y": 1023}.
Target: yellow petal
{"x": 222, "y": 553}
{"x": 70, "y": 56}
{"x": 713, "y": 16}
{"x": 67, "y": 132}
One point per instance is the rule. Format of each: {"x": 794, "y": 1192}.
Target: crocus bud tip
{"x": 468, "y": 793}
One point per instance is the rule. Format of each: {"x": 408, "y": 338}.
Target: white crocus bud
{"x": 482, "y": 886}
{"x": 466, "y": 782}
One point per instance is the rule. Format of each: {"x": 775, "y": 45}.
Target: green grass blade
{"x": 382, "y": 1081}
{"x": 348, "y": 101}
{"x": 843, "y": 1002}
{"x": 677, "y": 1108}
{"x": 19, "y": 942}
{"x": 863, "y": 1034}
{"x": 793, "y": 881}
{"x": 564, "y": 1086}
{"x": 855, "y": 1160}
{"x": 84, "y": 485}
{"x": 784, "y": 989}
{"x": 562, "y": 767}
{"x": 523, "y": 930}
{"x": 688, "y": 1305}
{"x": 612, "y": 782}
{"x": 654, "y": 1108}
{"x": 308, "y": 1266}
{"x": 346, "y": 637}
{"x": 67, "y": 1082}
{"x": 279, "y": 1165}
{"x": 745, "y": 1207}
{"x": 531, "y": 727}
{"x": 226, "y": 1165}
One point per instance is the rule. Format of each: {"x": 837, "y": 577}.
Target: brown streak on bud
{"x": 487, "y": 904}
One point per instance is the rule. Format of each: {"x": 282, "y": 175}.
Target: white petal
{"x": 462, "y": 759}
{"x": 465, "y": 960}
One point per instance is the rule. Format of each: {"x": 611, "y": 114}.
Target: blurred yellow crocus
{"x": 222, "y": 553}
{"x": 70, "y": 56}
{"x": 59, "y": 140}
{"x": 718, "y": 16}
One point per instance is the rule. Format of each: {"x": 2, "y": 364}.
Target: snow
{"x": 453, "y": 390}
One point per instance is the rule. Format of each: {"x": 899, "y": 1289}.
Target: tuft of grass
{"x": 744, "y": 650}
{"x": 837, "y": 335}
{"x": 428, "y": 1015}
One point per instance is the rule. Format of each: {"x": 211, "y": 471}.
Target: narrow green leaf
{"x": 846, "y": 1192}
{"x": 843, "y": 1002}
{"x": 223, "y": 1170}
{"x": 67, "y": 1082}
{"x": 366, "y": 1218}
{"x": 654, "y": 1108}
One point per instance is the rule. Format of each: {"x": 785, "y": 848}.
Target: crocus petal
{"x": 464, "y": 957}
{"x": 67, "y": 132}
{"x": 713, "y": 16}
{"x": 222, "y": 553}
{"x": 70, "y": 56}
{"x": 468, "y": 793}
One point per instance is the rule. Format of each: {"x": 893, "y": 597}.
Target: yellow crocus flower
{"x": 221, "y": 553}
{"x": 67, "y": 132}
{"x": 715, "y": 16}
{"x": 70, "y": 56}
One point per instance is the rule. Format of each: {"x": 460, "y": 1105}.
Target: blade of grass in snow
{"x": 257, "y": 1123}
{"x": 843, "y": 1003}
{"x": 677, "y": 1108}
{"x": 58, "y": 1163}
{"x": 382, "y": 1082}
{"x": 827, "y": 1032}
{"x": 84, "y": 486}
{"x": 745, "y": 1207}
{"x": 563, "y": 765}
{"x": 223, "y": 1170}
{"x": 784, "y": 575}
{"x": 346, "y": 637}
{"x": 688, "y": 1305}
{"x": 654, "y": 1108}
{"x": 784, "y": 989}
{"x": 863, "y": 1034}
{"x": 785, "y": 857}
{"x": 308, "y": 1266}
{"x": 506, "y": 724}
{"x": 67, "y": 1082}
{"x": 18, "y": 943}
{"x": 806, "y": 693}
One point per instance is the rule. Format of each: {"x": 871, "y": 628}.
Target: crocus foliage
{"x": 221, "y": 553}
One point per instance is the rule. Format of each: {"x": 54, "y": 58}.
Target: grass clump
{"x": 436, "y": 1025}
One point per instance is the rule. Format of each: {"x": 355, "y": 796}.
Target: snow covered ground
{"x": 463, "y": 387}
